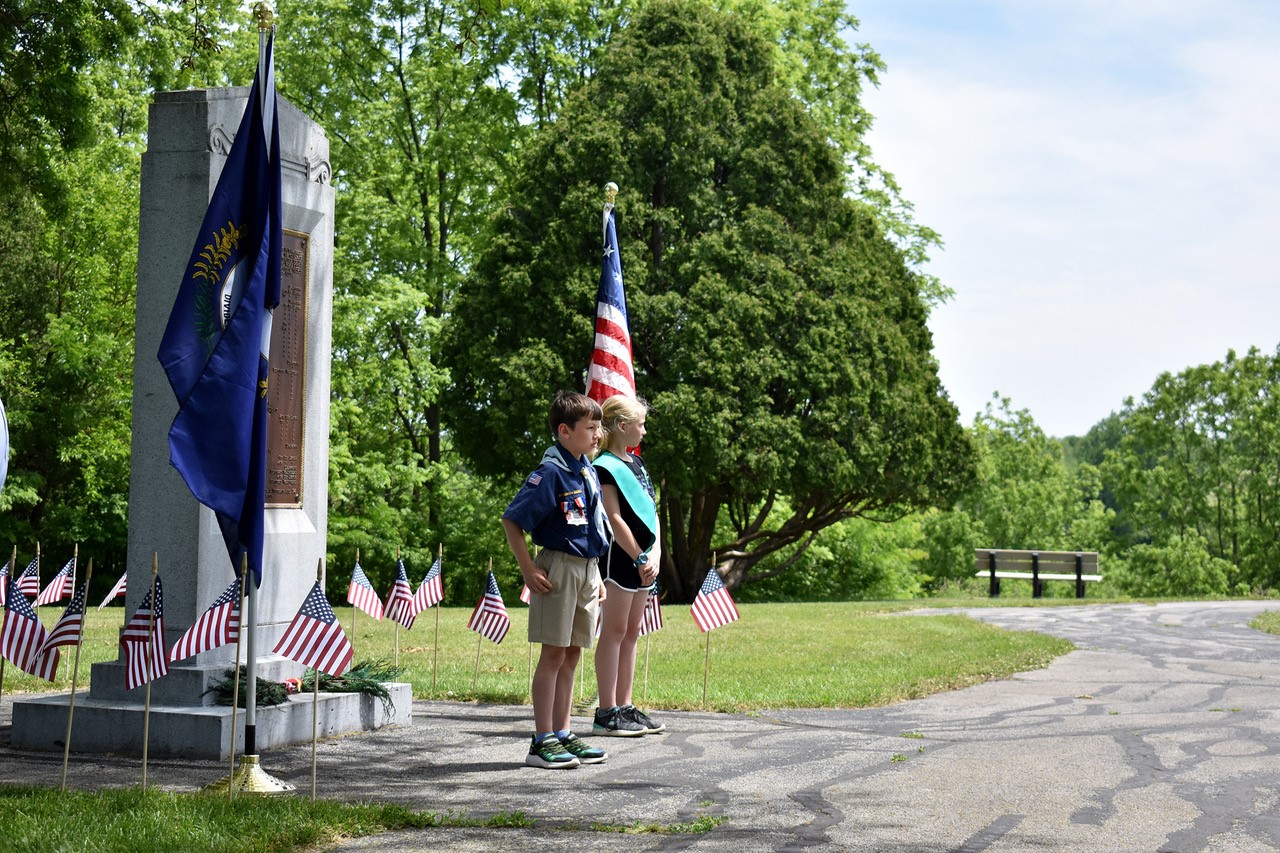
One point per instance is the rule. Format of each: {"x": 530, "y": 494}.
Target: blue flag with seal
{"x": 216, "y": 345}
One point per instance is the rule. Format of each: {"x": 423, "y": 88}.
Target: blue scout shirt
{"x": 559, "y": 505}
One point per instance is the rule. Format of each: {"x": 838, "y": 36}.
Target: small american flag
{"x": 315, "y": 638}
{"x": 525, "y": 594}
{"x": 116, "y": 591}
{"x": 143, "y": 642}
{"x": 490, "y": 618}
{"x": 217, "y": 626}
{"x": 651, "y": 619}
{"x": 362, "y": 594}
{"x": 431, "y": 590}
{"x": 400, "y": 604}
{"x": 29, "y": 580}
{"x": 59, "y": 586}
{"x": 23, "y": 636}
{"x": 67, "y": 631}
{"x": 713, "y": 607}
{"x": 4, "y": 584}
{"x": 612, "y": 371}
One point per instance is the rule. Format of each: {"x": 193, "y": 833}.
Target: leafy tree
{"x": 1196, "y": 463}
{"x": 779, "y": 333}
{"x": 1025, "y": 497}
{"x": 46, "y": 96}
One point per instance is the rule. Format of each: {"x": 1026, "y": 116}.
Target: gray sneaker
{"x": 610, "y": 722}
{"x": 550, "y": 754}
{"x": 643, "y": 720}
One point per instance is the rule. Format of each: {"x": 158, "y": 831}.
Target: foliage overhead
{"x": 779, "y": 334}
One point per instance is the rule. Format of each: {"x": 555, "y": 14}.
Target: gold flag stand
{"x": 250, "y": 778}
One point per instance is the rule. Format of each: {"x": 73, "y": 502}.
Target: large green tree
{"x": 779, "y": 331}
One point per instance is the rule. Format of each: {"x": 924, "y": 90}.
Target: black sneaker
{"x": 585, "y": 754}
{"x": 643, "y": 720}
{"x": 550, "y": 754}
{"x": 611, "y": 723}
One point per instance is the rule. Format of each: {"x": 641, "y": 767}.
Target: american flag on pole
{"x": 315, "y": 638}
{"x": 431, "y": 590}
{"x": 217, "y": 626}
{"x": 116, "y": 591}
{"x": 651, "y": 619}
{"x": 22, "y": 637}
{"x": 143, "y": 642}
{"x": 400, "y": 604}
{"x": 611, "y": 372}
{"x": 68, "y": 629}
{"x": 490, "y": 618}
{"x": 29, "y": 580}
{"x": 362, "y": 595}
{"x": 713, "y": 607}
{"x": 4, "y": 584}
{"x": 59, "y": 586}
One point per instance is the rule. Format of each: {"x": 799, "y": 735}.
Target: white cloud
{"x": 1105, "y": 178}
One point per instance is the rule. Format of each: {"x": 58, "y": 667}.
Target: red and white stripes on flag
{"x": 490, "y": 618}
{"x": 22, "y": 637}
{"x": 525, "y": 593}
{"x": 431, "y": 590}
{"x": 143, "y": 642}
{"x": 68, "y": 629}
{"x": 4, "y": 583}
{"x": 59, "y": 586}
{"x": 612, "y": 371}
{"x": 362, "y": 595}
{"x": 217, "y": 626}
{"x": 29, "y": 580}
{"x": 651, "y": 619}
{"x": 401, "y": 607}
{"x": 713, "y": 607}
{"x": 116, "y": 591}
{"x": 315, "y": 639}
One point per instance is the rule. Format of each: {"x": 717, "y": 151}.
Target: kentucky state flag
{"x": 215, "y": 347}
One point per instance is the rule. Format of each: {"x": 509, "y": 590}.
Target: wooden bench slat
{"x": 1044, "y": 576}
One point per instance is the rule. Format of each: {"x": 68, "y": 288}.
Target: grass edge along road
{"x": 814, "y": 655}
{"x": 776, "y": 655}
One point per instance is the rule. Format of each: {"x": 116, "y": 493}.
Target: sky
{"x": 1105, "y": 177}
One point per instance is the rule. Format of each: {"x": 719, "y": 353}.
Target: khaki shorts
{"x": 566, "y": 616}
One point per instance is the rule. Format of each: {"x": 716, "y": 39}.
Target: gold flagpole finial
{"x": 610, "y": 192}
{"x": 265, "y": 14}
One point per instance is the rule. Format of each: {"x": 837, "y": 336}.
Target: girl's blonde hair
{"x": 619, "y": 409}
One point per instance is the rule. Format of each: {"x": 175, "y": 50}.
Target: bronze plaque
{"x": 286, "y": 382}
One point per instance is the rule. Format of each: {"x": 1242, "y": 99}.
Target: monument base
{"x": 101, "y": 726}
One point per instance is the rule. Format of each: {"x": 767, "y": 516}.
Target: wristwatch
{"x": 642, "y": 560}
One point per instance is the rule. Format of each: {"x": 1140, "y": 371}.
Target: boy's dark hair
{"x": 569, "y": 407}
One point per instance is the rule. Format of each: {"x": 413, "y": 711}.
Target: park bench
{"x": 1037, "y": 567}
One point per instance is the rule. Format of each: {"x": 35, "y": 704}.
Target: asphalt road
{"x": 1159, "y": 734}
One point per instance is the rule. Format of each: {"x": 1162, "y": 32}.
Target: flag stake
{"x": 354, "y": 609}
{"x": 235, "y": 674}
{"x": 151, "y": 627}
{"x": 397, "y": 623}
{"x": 13, "y": 564}
{"x": 435, "y": 644}
{"x": 315, "y": 694}
{"x": 75, "y": 674}
{"x": 644, "y": 696}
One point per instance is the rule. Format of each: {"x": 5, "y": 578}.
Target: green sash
{"x": 635, "y": 496}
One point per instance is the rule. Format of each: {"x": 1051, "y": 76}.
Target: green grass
{"x": 836, "y": 655}
{"x": 1268, "y": 621}
{"x": 38, "y": 819}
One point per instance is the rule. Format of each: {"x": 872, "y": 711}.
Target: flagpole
{"x": 397, "y": 621}
{"x": 644, "y": 696}
{"x": 13, "y": 564}
{"x": 146, "y": 662}
{"x": 476, "y": 675}
{"x": 435, "y": 644}
{"x": 354, "y": 609}
{"x": 315, "y": 694}
{"x": 75, "y": 564}
{"x": 235, "y": 674}
{"x": 706, "y": 667}
{"x": 75, "y": 669}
